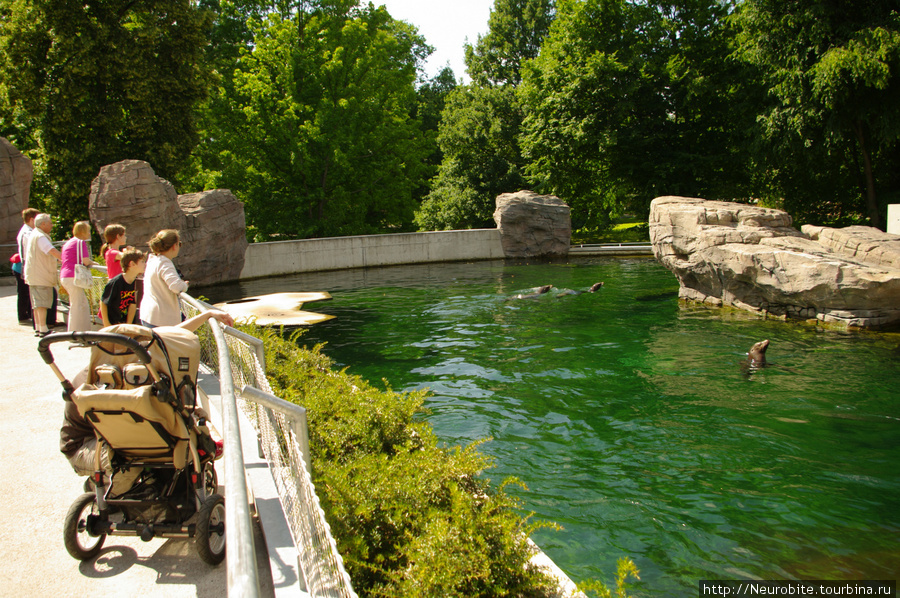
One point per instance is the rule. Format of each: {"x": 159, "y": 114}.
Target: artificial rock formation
{"x": 16, "y": 173}
{"x": 211, "y": 223}
{"x": 751, "y": 258}
{"x": 533, "y": 225}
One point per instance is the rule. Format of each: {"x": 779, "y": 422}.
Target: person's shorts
{"x": 42, "y": 297}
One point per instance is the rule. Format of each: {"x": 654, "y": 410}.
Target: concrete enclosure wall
{"x": 336, "y": 253}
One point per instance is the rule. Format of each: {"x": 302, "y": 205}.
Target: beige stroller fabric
{"x": 182, "y": 345}
{"x": 129, "y": 416}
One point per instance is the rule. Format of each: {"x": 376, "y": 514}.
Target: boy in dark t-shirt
{"x": 119, "y": 302}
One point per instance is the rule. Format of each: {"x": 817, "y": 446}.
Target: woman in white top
{"x": 162, "y": 283}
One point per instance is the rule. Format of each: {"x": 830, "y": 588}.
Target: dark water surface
{"x": 631, "y": 420}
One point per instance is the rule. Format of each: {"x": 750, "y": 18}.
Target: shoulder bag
{"x": 83, "y": 277}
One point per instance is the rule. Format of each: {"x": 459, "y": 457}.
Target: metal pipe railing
{"x": 243, "y": 579}
{"x": 293, "y": 413}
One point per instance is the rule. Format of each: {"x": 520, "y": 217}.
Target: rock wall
{"x": 16, "y": 173}
{"x": 533, "y": 225}
{"x": 211, "y": 223}
{"x": 751, "y": 258}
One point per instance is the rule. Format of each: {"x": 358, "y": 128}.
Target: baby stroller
{"x": 140, "y": 398}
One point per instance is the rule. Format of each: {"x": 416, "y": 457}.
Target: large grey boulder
{"x": 16, "y": 173}
{"x": 211, "y": 223}
{"x": 533, "y": 225}
{"x": 751, "y": 258}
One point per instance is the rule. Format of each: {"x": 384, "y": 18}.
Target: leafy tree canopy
{"x": 96, "y": 82}
{"x": 516, "y": 29}
{"x": 832, "y": 68}
{"x": 481, "y": 158}
{"x": 314, "y": 133}
{"x": 631, "y": 100}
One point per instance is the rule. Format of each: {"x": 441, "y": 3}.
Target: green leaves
{"x": 313, "y": 131}
{"x": 628, "y": 101}
{"x": 832, "y": 70}
{"x": 103, "y": 82}
{"x": 478, "y": 137}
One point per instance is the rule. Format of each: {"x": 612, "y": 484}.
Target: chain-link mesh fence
{"x": 322, "y": 565}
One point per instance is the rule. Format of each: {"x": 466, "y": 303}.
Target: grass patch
{"x": 627, "y": 229}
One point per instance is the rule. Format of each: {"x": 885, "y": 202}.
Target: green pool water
{"x": 631, "y": 419}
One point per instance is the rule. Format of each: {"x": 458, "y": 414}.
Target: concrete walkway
{"x": 38, "y": 486}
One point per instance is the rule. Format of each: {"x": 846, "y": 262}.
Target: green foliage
{"x": 92, "y": 83}
{"x": 516, "y": 29}
{"x": 481, "y": 122}
{"x": 478, "y": 136}
{"x": 628, "y": 101}
{"x": 410, "y": 517}
{"x": 625, "y": 568}
{"x": 432, "y": 97}
{"x": 832, "y": 69}
{"x": 312, "y": 131}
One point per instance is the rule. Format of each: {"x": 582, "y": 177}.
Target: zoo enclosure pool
{"x": 631, "y": 420}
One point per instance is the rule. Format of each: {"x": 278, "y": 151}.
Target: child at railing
{"x": 119, "y": 302}
{"x": 115, "y": 239}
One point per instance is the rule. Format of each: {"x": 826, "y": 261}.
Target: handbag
{"x": 83, "y": 277}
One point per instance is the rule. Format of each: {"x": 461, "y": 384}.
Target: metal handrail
{"x": 243, "y": 579}
{"x": 293, "y": 413}
{"x": 283, "y": 437}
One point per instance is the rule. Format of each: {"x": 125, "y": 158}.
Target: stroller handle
{"x": 92, "y": 338}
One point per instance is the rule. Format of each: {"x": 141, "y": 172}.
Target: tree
{"x": 315, "y": 135}
{"x": 432, "y": 97}
{"x": 832, "y": 68}
{"x": 516, "y": 29}
{"x": 631, "y": 100}
{"x": 478, "y": 137}
{"x": 481, "y": 123}
{"x": 101, "y": 82}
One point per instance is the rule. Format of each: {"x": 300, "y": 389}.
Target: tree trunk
{"x": 871, "y": 199}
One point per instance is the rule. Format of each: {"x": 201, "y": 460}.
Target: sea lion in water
{"x": 594, "y": 287}
{"x": 535, "y": 292}
{"x": 756, "y": 356}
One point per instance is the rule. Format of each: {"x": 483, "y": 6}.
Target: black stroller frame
{"x": 153, "y": 433}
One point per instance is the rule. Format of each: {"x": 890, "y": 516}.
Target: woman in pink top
{"x": 77, "y": 250}
{"x": 115, "y": 238}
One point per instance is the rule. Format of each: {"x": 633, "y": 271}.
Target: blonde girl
{"x": 77, "y": 250}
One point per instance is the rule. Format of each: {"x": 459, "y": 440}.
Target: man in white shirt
{"x": 40, "y": 271}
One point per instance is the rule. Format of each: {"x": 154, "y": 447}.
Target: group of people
{"x": 36, "y": 276}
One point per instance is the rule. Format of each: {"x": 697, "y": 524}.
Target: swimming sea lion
{"x": 594, "y": 287}
{"x": 535, "y": 292}
{"x": 757, "y": 354}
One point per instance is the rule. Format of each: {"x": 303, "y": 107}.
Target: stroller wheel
{"x": 210, "y": 479}
{"x": 80, "y": 543}
{"x": 210, "y": 533}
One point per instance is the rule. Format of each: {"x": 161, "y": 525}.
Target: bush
{"x": 411, "y": 518}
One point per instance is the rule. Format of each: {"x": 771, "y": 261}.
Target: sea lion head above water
{"x": 757, "y": 353}
{"x": 595, "y": 287}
